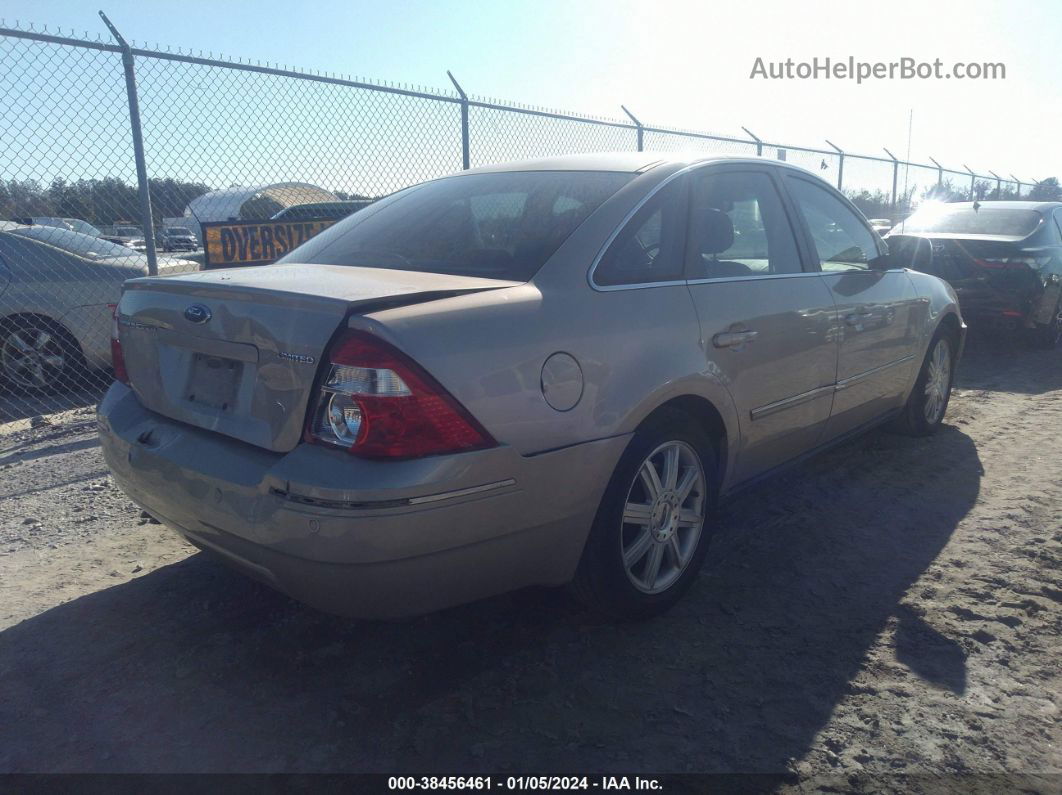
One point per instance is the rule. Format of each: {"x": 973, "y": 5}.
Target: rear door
{"x": 880, "y": 317}
{"x": 765, "y": 321}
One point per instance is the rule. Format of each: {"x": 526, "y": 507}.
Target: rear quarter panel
{"x": 636, "y": 348}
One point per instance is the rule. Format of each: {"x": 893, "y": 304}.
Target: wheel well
{"x": 705, "y": 415}
{"x": 950, "y": 322}
{"x": 13, "y": 319}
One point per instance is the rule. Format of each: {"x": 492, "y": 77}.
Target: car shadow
{"x": 192, "y": 667}
{"x": 1004, "y": 361}
{"x": 18, "y": 404}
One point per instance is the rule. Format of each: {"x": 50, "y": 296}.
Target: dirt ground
{"x": 892, "y": 608}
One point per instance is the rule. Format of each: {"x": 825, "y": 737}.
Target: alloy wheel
{"x": 32, "y": 357}
{"x": 938, "y": 381}
{"x": 663, "y": 517}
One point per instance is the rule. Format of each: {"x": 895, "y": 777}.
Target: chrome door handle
{"x": 857, "y": 317}
{"x": 732, "y": 339}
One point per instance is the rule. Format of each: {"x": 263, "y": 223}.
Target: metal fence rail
{"x": 103, "y": 137}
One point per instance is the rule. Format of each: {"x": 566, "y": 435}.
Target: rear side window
{"x": 648, "y": 248}
{"x": 842, "y": 240}
{"x": 738, "y": 227}
{"x": 497, "y": 226}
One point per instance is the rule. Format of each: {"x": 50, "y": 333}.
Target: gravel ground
{"x": 892, "y": 608}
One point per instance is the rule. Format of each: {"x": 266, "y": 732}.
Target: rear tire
{"x": 923, "y": 414}
{"x": 648, "y": 540}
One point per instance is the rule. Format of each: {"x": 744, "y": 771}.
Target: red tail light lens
{"x": 117, "y": 357}
{"x": 378, "y": 403}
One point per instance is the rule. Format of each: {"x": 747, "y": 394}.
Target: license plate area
{"x": 213, "y": 382}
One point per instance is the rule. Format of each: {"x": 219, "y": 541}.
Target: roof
{"x": 1006, "y": 205}
{"x": 631, "y": 162}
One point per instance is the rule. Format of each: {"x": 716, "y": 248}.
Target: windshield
{"x": 127, "y": 231}
{"x": 500, "y": 226}
{"x": 84, "y": 227}
{"x": 178, "y": 230}
{"x": 968, "y": 221}
{"x": 74, "y": 242}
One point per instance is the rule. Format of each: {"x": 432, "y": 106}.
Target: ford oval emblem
{"x": 197, "y": 313}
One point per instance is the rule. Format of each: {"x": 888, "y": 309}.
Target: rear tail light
{"x": 376, "y": 402}
{"x": 117, "y": 357}
{"x": 1013, "y": 263}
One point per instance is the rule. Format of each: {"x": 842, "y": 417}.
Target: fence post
{"x": 638, "y": 125}
{"x": 895, "y": 176}
{"x": 940, "y": 173}
{"x": 143, "y": 189}
{"x": 756, "y": 138}
{"x": 973, "y": 182}
{"x": 999, "y": 183}
{"x": 840, "y": 163}
{"x": 1017, "y": 183}
{"x": 466, "y": 161}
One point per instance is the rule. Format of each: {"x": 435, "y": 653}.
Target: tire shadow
{"x": 195, "y": 668}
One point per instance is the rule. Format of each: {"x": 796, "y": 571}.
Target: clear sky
{"x": 684, "y": 64}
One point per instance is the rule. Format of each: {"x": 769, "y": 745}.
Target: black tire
{"x": 602, "y": 581}
{"x": 1048, "y": 337}
{"x": 59, "y": 347}
{"x": 913, "y": 421}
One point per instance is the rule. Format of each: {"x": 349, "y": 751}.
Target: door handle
{"x": 733, "y": 339}
{"x": 858, "y": 316}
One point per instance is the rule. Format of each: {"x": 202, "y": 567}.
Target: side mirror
{"x": 884, "y": 262}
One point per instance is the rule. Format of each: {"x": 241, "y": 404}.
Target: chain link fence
{"x": 116, "y": 156}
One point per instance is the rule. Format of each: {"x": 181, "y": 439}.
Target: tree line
{"x": 101, "y": 202}
{"x": 878, "y": 204}
{"x": 104, "y": 201}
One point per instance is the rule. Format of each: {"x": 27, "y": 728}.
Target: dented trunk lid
{"x": 237, "y": 351}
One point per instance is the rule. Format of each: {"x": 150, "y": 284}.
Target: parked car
{"x": 73, "y": 224}
{"x": 880, "y": 225}
{"x": 128, "y": 236}
{"x": 539, "y": 373}
{"x": 178, "y": 238}
{"x": 55, "y": 288}
{"x": 316, "y": 211}
{"x": 1003, "y": 258}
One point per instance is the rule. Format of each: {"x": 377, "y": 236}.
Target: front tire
{"x": 648, "y": 540}
{"x": 923, "y": 414}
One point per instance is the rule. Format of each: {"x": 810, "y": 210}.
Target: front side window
{"x": 498, "y": 226}
{"x": 648, "y": 250}
{"x": 842, "y": 241}
{"x": 738, "y": 227}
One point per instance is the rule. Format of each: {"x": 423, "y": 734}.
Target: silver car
{"x": 57, "y": 288}
{"x": 539, "y": 373}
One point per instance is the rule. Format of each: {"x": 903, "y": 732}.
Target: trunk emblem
{"x": 296, "y": 357}
{"x": 197, "y": 313}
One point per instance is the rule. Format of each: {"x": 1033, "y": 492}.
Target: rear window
{"x": 967, "y": 221}
{"x": 499, "y": 226}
